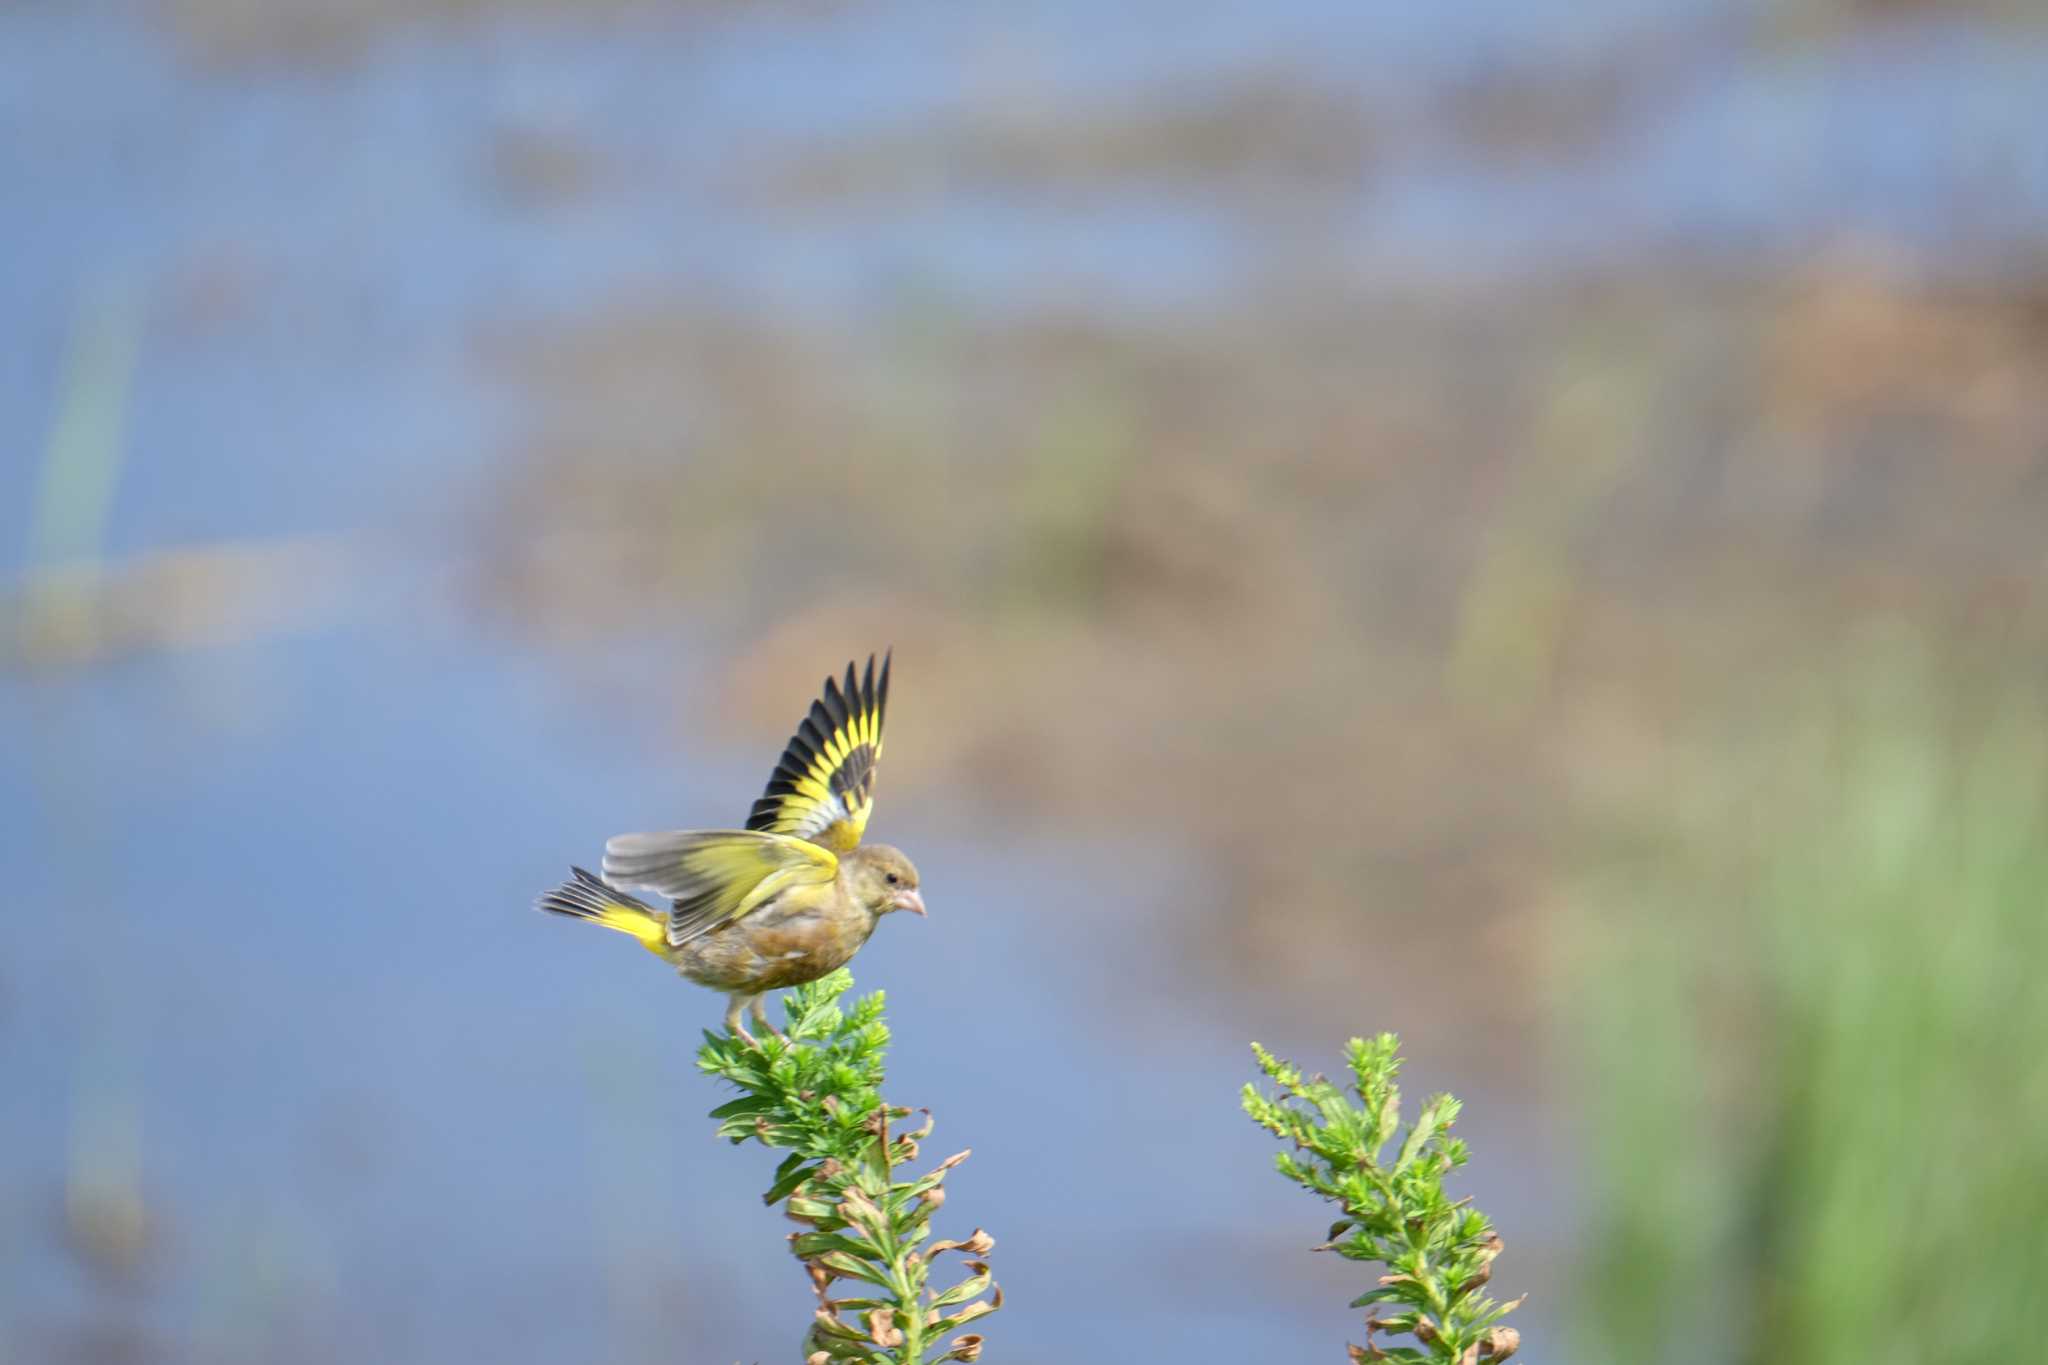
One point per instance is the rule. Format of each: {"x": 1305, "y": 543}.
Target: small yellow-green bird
{"x": 789, "y": 898}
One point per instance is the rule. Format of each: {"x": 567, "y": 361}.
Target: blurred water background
{"x": 1521, "y": 525}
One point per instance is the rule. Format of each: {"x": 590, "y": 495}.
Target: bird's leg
{"x": 733, "y": 1005}
{"x": 760, "y": 1013}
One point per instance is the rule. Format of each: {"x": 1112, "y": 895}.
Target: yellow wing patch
{"x": 715, "y": 876}
{"x": 824, "y": 786}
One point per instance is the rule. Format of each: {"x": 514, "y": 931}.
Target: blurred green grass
{"x": 1809, "y": 996}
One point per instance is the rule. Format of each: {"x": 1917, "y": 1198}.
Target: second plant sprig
{"x": 1438, "y": 1252}
{"x": 865, "y": 1221}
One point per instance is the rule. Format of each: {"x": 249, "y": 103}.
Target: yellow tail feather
{"x": 587, "y": 898}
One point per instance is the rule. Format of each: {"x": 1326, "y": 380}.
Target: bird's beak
{"x": 908, "y": 899}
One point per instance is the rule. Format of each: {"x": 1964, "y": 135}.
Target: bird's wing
{"x": 715, "y": 876}
{"x": 824, "y": 785}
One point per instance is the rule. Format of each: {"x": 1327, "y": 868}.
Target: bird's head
{"x": 882, "y": 879}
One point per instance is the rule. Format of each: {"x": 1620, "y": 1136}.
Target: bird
{"x": 785, "y": 900}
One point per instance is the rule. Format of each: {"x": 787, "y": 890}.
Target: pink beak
{"x": 908, "y": 899}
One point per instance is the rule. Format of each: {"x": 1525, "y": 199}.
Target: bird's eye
{"x": 892, "y": 879}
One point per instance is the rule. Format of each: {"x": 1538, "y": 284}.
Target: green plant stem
{"x": 817, "y": 1095}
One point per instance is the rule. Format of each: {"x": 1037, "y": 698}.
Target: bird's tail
{"x": 588, "y": 898}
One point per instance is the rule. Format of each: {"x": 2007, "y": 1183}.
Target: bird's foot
{"x": 760, "y": 1014}
{"x": 737, "y": 1029}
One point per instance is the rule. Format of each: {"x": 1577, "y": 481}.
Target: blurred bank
{"x": 1517, "y": 525}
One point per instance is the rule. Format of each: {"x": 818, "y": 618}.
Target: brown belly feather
{"x": 770, "y": 949}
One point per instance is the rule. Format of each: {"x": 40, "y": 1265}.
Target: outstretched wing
{"x": 824, "y": 785}
{"x": 714, "y": 876}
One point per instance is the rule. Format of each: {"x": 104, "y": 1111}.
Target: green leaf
{"x": 817, "y": 1243}
{"x": 1439, "y": 1113}
{"x": 823, "y": 1210}
{"x": 790, "y": 1174}
{"x": 853, "y": 1268}
{"x": 963, "y": 1291}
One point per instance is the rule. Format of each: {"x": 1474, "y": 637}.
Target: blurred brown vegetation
{"x": 1356, "y": 596}
{"x": 1257, "y": 133}
{"x": 317, "y": 31}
